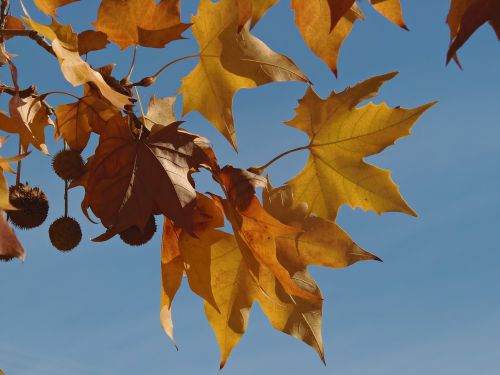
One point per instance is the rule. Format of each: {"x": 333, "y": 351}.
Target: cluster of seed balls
{"x": 32, "y": 207}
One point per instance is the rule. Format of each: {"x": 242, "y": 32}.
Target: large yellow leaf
{"x": 341, "y": 136}
{"x": 313, "y": 21}
{"x": 140, "y": 22}
{"x": 229, "y": 61}
{"x": 49, "y": 6}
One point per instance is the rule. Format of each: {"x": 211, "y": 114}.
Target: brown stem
{"x": 65, "y": 190}
{"x": 149, "y": 80}
{"x": 132, "y": 64}
{"x": 260, "y": 170}
{"x": 4, "y": 10}
{"x": 32, "y": 34}
{"x": 18, "y": 171}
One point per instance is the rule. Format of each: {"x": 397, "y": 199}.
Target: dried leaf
{"x": 313, "y": 21}
{"x": 229, "y": 61}
{"x": 160, "y": 113}
{"x": 390, "y": 9}
{"x": 12, "y": 23}
{"x": 90, "y": 40}
{"x": 49, "y": 6}
{"x": 140, "y": 22}
{"x": 341, "y": 136}
{"x": 253, "y": 10}
{"x": 10, "y": 247}
{"x": 465, "y": 17}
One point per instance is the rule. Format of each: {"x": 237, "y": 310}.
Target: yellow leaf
{"x": 229, "y": 61}
{"x": 390, "y": 9}
{"x": 313, "y": 21}
{"x": 140, "y": 22}
{"x": 341, "y": 136}
{"x": 253, "y": 10}
{"x": 321, "y": 242}
{"x": 49, "y": 6}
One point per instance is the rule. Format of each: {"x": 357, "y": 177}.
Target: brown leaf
{"x": 130, "y": 178}
{"x": 160, "y": 113}
{"x": 10, "y": 247}
{"x": 338, "y": 9}
{"x": 75, "y": 121}
{"x": 140, "y": 22}
{"x": 90, "y": 40}
{"x": 465, "y": 17}
{"x": 12, "y": 23}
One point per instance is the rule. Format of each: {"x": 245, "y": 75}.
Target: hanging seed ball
{"x": 32, "y": 206}
{"x": 65, "y": 233}
{"x": 68, "y": 164}
{"x": 133, "y": 236}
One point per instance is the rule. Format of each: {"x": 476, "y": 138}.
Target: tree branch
{"x": 32, "y": 34}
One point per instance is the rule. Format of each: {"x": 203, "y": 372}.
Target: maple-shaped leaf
{"x": 28, "y": 117}
{"x": 131, "y": 178}
{"x": 90, "y": 40}
{"x": 229, "y": 61}
{"x": 253, "y": 10}
{"x": 74, "y": 68}
{"x": 313, "y": 21}
{"x": 341, "y": 135}
{"x": 49, "y": 6}
{"x": 255, "y": 229}
{"x": 75, "y": 121}
{"x": 140, "y": 22}
{"x": 465, "y": 17}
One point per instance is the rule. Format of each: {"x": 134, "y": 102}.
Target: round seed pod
{"x": 32, "y": 206}
{"x": 133, "y": 236}
{"x": 65, "y": 233}
{"x": 68, "y": 164}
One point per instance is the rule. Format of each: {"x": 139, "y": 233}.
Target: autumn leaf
{"x": 390, "y": 9}
{"x": 131, "y": 178}
{"x": 160, "y": 113}
{"x": 253, "y": 10}
{"x": 90, "y": 40}
{"x": 229, "y": 61}
{"x": 140, "y": 22}
{"x": 74, "y": 68}
{"x": 12, "y": 23}
{"x": 4, "y": 166}
{"x": 28, "y": 118}
{"x": 10, "y": 247}
{"x": 76, "y": 121}
{"x": 465, "y": 17}
{"x": 341, "y": 135}
{"x": 49, "y": 6}
{"x": 313, "y": 21}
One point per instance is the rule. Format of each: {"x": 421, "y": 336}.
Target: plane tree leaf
{"x": 229, "y": 61}
{"x": 341, "y": 136}
{"x": 140, "y": 22}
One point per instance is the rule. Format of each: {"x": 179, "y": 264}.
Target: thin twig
{"x": 142, "y": 111}
{"x": 65, "y": 190}
{"x": 260, "y": 170}
{"x": 149, "y": 80}
{"x": 18, "y": 170}
{"x": 132, "y": 64}
{"x": 32, "y": 34}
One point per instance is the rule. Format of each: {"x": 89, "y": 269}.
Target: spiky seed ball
{"x": 68, "y": 164}
{"x": 65, "y": 233}
{"x": 32, "y": 206}
{"x": 133, "y": 236}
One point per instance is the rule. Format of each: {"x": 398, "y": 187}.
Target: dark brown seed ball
{"x": 133, "y": 236}
{"x": 65, "y": 233}
{"x": 32, "y": 206}
{"x": 68, "y": 164}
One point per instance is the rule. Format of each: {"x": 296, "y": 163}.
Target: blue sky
{"x": 431, "y": 308}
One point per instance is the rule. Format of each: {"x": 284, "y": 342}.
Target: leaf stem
{"x": 132, "y": 64}
{"x": 18, "y": 169}
{"x": 65, "y": 190}
{"x": 149, "y": 80}
{"x": 142, "y": 111}
{"x": 261, "y": 169}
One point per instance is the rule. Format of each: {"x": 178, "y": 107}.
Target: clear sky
{"x": 431, "y": 308}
